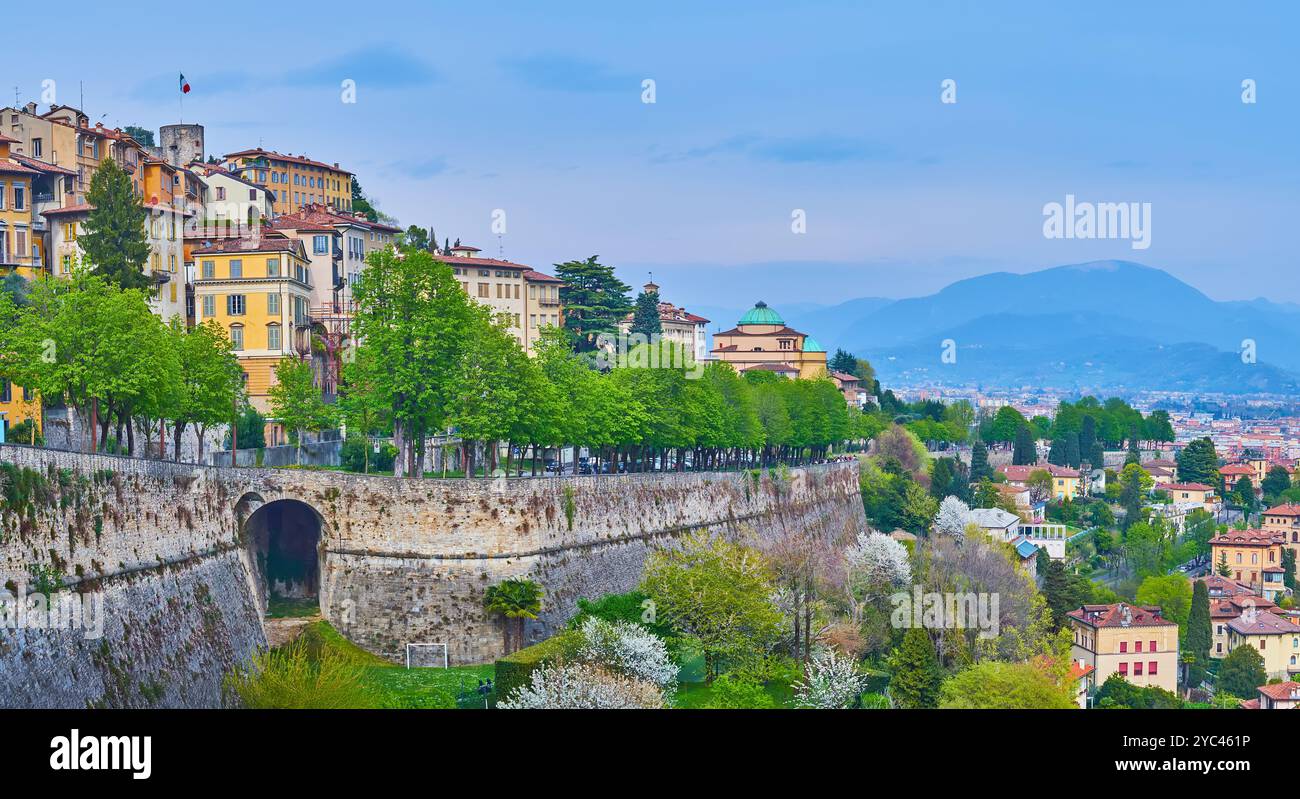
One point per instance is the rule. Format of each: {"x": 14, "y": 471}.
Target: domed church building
{"x": 761, "y": 340}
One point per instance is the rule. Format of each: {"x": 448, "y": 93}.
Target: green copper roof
{"x": 810, "y": 345}
{"x": 760, "y": 314}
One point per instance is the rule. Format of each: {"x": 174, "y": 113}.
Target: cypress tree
{"x": 1072, "y": 457}
{"x": 1056, "y": 454}
{"x": 1200, "y": 633}
{"x": 917, "y": 675}
{"x": 115, "y": 240}
{"x": 979, "y": 463}
{"x": 1059, "y": 591}
{"x": 1025, "y": 452}
{"x": 645, "y": 316}
{"x": 941, "y": 478}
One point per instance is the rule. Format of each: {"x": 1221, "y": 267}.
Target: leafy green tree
{"x": 210, "y": 380}
{"x": 515, "y": 599}
{"x": 843, "y": 361}
{"x": 1244, "y": 492}
{"x": 1274, "y": 483}
{"x": 1006, "y": 423}
{"x": 1288, "y": 567}
{"x": 1119, "y": 693}
{"x": 716, "y": 594}
{"x": 142, "y": 135}
{"x": 1198, "y": 463}
{"x": 916, "y": 675}
{"x": 594, "y": 299}
{"x": 1008, "y": 686}
{"x": 416, "y": 237}
{"x": 1242, "y": 671}
{"x": 1200, "y": 633}
{"x": 1172, "y": 593}
{"x": 114, "y": 238}
{"x": 362, "y": 406}
{"x": 297, "y": 403}
{"x": 416, "y": 321}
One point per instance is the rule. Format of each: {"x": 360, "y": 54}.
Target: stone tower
{"x": 180, "y": 144}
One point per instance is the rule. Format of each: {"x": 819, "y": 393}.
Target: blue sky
{"x": 761, "y": 108}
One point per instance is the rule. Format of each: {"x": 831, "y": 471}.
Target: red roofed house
{"x": 1285, "y": 520}
{"x": 1065, "y": 481}
{"x": 1252, "y": 557}
{"x": 1275, "y": 696}
{"x": 679, "y": 327}
{"x": 1133, "y": 641}
{"x": 528, "y": 298}
{"x": 1277, "y": 640}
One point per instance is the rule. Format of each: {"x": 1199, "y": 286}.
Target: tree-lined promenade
{"x": 427, "y": 359}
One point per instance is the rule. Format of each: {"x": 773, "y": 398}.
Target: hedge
{"x": 516, "y": 669}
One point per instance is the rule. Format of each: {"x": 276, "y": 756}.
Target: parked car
{"x": 552, "y": 465}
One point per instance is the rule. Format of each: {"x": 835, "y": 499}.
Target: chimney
{"x": 30, "y": 108}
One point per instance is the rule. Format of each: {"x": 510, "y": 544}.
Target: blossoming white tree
{"x": 628, "y": 649}
{"x": 952, "y": 518}
{"x": 583, "y": 686}
{"x": 831, "y": 681}
{"x": 878, "y": 561}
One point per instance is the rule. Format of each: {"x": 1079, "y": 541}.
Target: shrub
{"x": 353, "y": 454}
{"x": 515, "y": 670}
{"x": 290, "y": 678}
{"x": 831, "y": 682}
{"x": 734, "y": 692}
{"x": 629, "y": 607}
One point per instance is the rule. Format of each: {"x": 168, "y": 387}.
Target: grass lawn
{"x": 400, "y": 687}
{"x": 282, "y": 608}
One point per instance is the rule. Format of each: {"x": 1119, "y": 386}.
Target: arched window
{"x": 273, "y": 336}
{"x": 237, "y": 336}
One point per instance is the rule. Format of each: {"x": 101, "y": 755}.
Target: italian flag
{"x": 185, "y": 85}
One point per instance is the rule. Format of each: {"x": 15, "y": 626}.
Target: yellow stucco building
{"x": 259, "y": 291}
{"x": 1133, "y": 641}
{"x": 1277, "y": 640}
{"x": 762, "y": 340}
{"x": 1251, "y": 557}
{"x": 294, "y": 181}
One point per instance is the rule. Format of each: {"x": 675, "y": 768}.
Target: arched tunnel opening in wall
{"x": 284, "y": 546}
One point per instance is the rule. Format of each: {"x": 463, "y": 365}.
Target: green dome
{"x": 810, "y": 345}
{"x": 760, "y": 314}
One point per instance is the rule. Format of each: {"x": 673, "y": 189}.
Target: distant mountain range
{"x": 1103, "y": 325}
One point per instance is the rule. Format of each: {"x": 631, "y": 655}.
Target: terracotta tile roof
{"x": 1237, "y": 468}
{"x": 15, "y": 168}
{"x": 845, "y": 378}
{"x": 1080, "y": 670}
{"x": 1115, "y": 616}
{"x": 7, "y": 140}
{"x": 1235, "y": 606}
{"x": 772, "y": 367}
{"x": 1019, "y": 474}
{"x": 274, "y": 243}
{"x": 485, "y": 263}
{"x": 1248, "y": 538}
{"x": 1248, "y": 704}
{"x": 540, "y": 277}
{"x": 1287, "y": 509}
{"x": 1187, "y": 487}
{"x": 41, "y": 166}
{"x": 1281, "y": 691}
{"x": 272, "y": 155}
{"x": 1263, "y": 623}
{"x": 1218, "y": 585}
{"x": 79, "y": 208}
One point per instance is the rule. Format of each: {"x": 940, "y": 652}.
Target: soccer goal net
{"x": 426, "y": 656}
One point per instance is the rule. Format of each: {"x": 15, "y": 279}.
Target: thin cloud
{"x": 554, "y": 72}
{"x": 373, "y": 69}
{"x": 823, "y": 149}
